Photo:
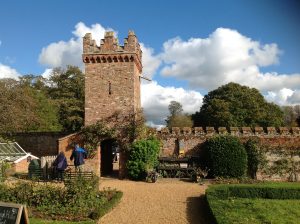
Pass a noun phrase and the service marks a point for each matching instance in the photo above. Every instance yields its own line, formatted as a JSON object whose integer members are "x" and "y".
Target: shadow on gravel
{"x": 187, "y": 180}
{"x": 198, "y": 211}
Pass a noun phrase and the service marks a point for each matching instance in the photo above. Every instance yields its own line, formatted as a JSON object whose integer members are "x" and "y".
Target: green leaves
{"x": 78, "y": 201}
{"x": 142, "y": 158}
{"x": 93, "y": 134}
{"x": 67, "y": 90}
{"x": 237, "y": 106}
{"x": 226, "y": 156}
{"x": 177, "y": 118}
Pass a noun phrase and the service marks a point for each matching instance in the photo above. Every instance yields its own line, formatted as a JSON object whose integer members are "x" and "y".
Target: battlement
{"x": 110, "y": 51}
{"x": 235, "y": 131}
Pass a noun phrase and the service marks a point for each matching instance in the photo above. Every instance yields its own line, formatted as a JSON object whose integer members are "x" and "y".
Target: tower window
{"x": 109, "y": 88}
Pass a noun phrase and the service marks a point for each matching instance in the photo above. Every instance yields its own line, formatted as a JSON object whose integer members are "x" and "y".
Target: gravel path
{"x": 166, "y": 201}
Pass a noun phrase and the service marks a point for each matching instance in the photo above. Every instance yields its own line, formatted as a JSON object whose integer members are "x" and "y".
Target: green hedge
{"x": 250, "y": 203}
{"x": 79, "y": 201}
{"x": 101, "y": 211}
{"x": 267, "y": 191}
{"x": 226, "y": 156}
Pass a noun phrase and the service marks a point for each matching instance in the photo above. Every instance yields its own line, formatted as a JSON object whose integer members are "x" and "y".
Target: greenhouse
{"x": 13, "y": 152}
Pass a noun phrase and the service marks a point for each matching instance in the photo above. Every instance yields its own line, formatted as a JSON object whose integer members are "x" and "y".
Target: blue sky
{"x": 254, "y": 43}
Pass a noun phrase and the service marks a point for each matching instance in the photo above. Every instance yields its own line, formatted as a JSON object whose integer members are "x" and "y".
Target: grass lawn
{"x": 244, "y": 210}
{"x": 41, "y": 221}
{"x": 252, "y": 203}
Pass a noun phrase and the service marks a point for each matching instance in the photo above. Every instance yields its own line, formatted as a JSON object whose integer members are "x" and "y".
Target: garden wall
{"x": 189, "y": 140}
{"x": 39, "y": 143}
{"x": 281, "y": 143}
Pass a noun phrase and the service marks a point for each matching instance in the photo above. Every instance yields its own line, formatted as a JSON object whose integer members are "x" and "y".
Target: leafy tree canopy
{"x": 291, "y": 115}
{"x": 67, "y": 89}
{"x": 236, "y": 105}
{"x": 177, "y": 118}
{"x": 34, "y": 103}
{"x": 175, "y": 108}
{"x": 24, "y": 108}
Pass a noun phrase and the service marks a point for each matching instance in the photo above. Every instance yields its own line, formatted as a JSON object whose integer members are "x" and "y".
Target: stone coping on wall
{"x": 235, "y": 131}
{"x": 67, "y": 136}
{"x": 35, "y": 133}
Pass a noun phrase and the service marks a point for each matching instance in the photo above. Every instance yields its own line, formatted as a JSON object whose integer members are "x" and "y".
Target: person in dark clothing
{"x": 78, "y": 154}
{"x": 60, "y": 164}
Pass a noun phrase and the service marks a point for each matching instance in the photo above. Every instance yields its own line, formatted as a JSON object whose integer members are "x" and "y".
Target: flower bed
{"x": 78, "y": 201}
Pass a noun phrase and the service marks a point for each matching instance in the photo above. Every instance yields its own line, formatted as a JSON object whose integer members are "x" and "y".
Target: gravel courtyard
{"x": 166, "y": 201}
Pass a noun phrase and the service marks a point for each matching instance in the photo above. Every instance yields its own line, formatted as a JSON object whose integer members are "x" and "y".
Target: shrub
{"x": 79, "y": 200}
{"x": 226, "y": 156}
{"x": 255, "y": 157}
{"x": 268, "y": 191}
{"x": 4, "y": 167}
{"x": 142, "y": 158}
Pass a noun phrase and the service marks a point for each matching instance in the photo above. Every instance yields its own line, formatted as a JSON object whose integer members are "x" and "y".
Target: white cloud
{"x": 8, "y": 72}
{"x": 284, "y": 97}
{"x": 62, "y": 53}
{"x": 280, "y": 97}
{"x": 47, "y": 73}
{"x": 295, "y": 98}
{"x": 156, "y": 99}
{"x": 225, "y": 56}
{"x": 150, "y": 62}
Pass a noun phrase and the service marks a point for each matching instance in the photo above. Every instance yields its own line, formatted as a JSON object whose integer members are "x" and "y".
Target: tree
{"x": 180, "y": 121}
{"x": 16, "y": 112}
{"x": 67, "y": 89}
{"x": 25, "y": 108}
{"x": 290, "y": 115}
{"x": 236, "y": 105}
{"x": 177, "y": 118}
{"x": 175, "y": 108}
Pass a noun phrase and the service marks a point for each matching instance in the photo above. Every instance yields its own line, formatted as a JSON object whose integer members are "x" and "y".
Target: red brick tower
{"x": 112, "y": 77}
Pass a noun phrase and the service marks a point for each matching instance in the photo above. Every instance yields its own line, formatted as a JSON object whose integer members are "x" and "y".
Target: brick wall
{"x": 39, "y": 143}
{"x": 21, "y": 167}
{"x": 66, "y": 145}
{"x": 193, "y": 138}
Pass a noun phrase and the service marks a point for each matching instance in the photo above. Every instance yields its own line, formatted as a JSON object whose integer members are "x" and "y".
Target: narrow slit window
{"x": 109, "y": 88}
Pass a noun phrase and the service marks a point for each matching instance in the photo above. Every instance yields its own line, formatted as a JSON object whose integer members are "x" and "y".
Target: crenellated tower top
{"x": 110, "y": 50}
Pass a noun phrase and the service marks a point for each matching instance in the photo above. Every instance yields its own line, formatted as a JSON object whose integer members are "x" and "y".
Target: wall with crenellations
{"x": 193, "y": 138}
{"x": 191, "y": 141}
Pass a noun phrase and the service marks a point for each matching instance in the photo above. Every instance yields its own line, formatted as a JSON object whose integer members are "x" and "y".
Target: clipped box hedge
{"x": 266, "y": 191}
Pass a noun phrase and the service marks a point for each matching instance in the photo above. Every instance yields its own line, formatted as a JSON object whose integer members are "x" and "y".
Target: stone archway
{"x": 109, "y": 164}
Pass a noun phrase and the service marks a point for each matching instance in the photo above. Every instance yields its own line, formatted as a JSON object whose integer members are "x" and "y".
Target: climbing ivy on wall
{"x": 124, "y": 130}
{"x": 256, "y": 157}
{"x": 285, "y": 162}
{"x": 93, "y": 134}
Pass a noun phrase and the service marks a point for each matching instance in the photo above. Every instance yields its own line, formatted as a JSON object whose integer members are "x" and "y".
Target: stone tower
{"x": 112, "y": 77}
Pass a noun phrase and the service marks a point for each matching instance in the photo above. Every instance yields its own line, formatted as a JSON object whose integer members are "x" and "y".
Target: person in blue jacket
{"x": 78, "y": 154}
{"x": 60, "y": 164}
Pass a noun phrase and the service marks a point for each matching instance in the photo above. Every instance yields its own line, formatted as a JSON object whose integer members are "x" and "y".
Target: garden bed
{"x": 78, "y": 201}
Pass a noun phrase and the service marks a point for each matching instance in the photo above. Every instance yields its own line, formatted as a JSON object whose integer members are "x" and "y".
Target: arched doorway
{"x": 109, "y": 158}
